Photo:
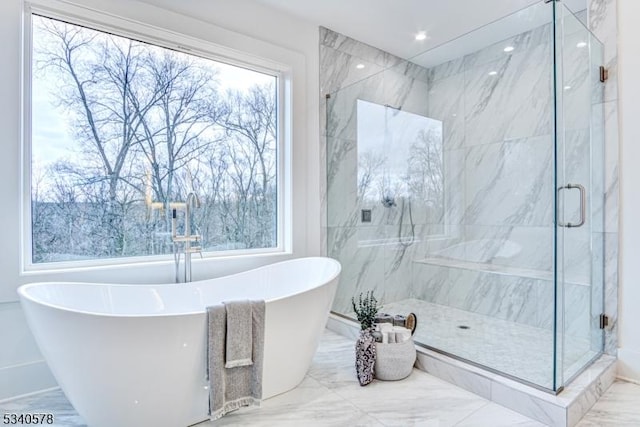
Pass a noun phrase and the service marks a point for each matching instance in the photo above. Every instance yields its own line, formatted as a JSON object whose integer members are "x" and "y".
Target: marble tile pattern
{"x": 591, "y": 393}
{"x": 619, "y": 406}
{"x": 497, "y": 114}
{"x": 563, "y": 410}
{"x": 499, "y": 344}
{"x": 53, "y": 401}
{"x": 507, "y": 168}
{"x": 331, "y": 396}
{"x": 381, "y": 79}
{"x": 611, "y": 292}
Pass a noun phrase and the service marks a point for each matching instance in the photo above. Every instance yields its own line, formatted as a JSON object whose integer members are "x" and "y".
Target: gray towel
{"x": 232, "y": 388}
{"x": 239, "y": 347}
{"x": 399, "y": 320}
{"x": 383, "y": 318}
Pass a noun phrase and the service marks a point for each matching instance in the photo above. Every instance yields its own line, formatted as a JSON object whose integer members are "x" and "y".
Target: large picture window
{"x": 121, "y": 132}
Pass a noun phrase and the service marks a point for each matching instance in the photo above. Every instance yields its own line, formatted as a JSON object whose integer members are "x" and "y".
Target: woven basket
{"x": 394, "y": 361}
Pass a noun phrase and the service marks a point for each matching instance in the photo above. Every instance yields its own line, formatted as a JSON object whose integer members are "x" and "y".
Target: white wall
{"x": 241, "y": 25}
{"x": 629, "y": 89}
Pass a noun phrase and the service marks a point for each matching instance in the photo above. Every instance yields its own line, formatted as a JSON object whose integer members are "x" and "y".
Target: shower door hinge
{"x": 604, "y": 74}
{"x": 604, "y": 321}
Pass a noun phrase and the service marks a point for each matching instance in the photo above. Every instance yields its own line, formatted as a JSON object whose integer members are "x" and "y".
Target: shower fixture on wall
{"x": 388, "y": 201}
{"x": 406, "y": 241}
{"x": 399, "y": 108}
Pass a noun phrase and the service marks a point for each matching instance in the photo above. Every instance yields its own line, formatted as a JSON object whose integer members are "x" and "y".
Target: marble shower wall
{"x": 379, "y": 253}
{"x": 498, "y": 153}
{"x": 497, "y": 111}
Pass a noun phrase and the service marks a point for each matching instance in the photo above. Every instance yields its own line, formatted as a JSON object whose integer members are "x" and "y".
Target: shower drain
{"x": 464, "y": 327}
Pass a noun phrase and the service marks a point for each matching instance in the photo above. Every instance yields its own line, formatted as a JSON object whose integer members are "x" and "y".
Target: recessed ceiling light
{"x": 422, "y": 35}
{"x": 581, "y": 44}
{"x": 360, "y": 66}
{"x": 567, "y": 87}
{"x": 493, "y": 73}
{"x": 509, "y": 49}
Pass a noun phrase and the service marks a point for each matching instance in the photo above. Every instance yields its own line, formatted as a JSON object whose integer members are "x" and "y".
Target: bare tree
{"x": 177, "y": 127}
{"x": 370, "y": 166}
{"x": 425, "y": 172}
{"x": 149, "y": 125}
{"x": 250, "y": 124}
{"x": 99, "y": 72}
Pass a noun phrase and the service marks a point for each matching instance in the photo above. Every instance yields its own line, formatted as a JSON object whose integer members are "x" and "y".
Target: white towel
{"x": 385, "y": 327}
{"x": 402, "y": 334}
{"x": 391, "y": 337}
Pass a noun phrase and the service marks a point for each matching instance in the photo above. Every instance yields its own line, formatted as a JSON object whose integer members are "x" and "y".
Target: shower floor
{"x": 519, "y": 350}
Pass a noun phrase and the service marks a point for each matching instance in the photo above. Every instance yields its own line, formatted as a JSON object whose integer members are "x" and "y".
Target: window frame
{"x": 165, "y": 38}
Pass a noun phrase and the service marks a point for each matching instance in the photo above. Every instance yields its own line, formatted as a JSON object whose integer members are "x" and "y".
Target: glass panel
{"x": 598, "y": 194}
{"x": 580, "y": 181}
{"x": 347, "y": 233}
{"x": 474, "y": 260}
{"x": 399, "y": 166}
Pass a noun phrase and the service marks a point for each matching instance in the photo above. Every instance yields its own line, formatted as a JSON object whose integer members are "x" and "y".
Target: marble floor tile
{"x": 496, "y": 343}
{"x": 331, "y": 396}
{"x": 310, "y": 404}
{"x": 619, "y": 406}
{"x": 54, "y": 402}
{"x": 494, "y": 415}
{"x": 419, "y": 399}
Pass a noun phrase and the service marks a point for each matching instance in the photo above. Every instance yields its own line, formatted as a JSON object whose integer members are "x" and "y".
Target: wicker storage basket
{"x": 394, "y": 361}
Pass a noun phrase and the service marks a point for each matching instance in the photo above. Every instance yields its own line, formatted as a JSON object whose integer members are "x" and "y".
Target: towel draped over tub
{"x": 236, "y": 339}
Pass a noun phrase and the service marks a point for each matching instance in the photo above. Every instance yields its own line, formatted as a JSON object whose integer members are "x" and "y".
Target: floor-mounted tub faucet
{"x": 187, "y": 238}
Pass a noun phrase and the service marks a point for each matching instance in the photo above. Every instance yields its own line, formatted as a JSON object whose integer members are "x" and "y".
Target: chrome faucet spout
{"x": 185, "y": 240}
{"x": 192, "y": 201}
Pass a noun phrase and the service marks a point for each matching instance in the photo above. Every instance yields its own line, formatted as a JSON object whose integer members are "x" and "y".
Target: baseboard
{"x": 629, "y": 365}
{"x": 25, "y": 379}
{"x": 343, "y": 326}
{"x": 627, "y": 379}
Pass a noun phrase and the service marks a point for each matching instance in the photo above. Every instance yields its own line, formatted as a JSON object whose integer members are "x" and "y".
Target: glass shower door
{"x": 579, "y": 188}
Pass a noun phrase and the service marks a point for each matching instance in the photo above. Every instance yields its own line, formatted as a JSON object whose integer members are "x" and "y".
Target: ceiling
{"x": 391, "y": 25}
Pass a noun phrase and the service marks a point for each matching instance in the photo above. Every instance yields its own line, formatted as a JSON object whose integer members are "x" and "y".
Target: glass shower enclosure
{"x": 466, "y": 186}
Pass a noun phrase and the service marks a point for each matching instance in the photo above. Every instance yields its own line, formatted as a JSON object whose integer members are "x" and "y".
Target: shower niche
{"x": 479, "y": 165}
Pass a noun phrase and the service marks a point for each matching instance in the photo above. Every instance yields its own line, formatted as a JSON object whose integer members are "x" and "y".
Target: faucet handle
{"x": 183, "y": 238}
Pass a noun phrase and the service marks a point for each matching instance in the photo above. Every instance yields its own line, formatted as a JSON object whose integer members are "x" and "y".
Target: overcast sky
{"x": 51, "y": 136}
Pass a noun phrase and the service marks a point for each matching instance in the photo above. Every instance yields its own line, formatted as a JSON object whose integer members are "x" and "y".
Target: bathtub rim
{"x": 23, "y": 293}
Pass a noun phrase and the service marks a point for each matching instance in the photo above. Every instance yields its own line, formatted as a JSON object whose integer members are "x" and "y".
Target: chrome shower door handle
{"x": 583, "y": 205}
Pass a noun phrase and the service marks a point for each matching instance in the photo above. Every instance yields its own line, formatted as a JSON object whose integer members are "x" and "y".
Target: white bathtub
{"x": 134, "y": 355}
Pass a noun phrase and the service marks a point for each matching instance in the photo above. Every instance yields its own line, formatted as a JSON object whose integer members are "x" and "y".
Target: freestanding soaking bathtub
{"x": 134, "y": 355}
